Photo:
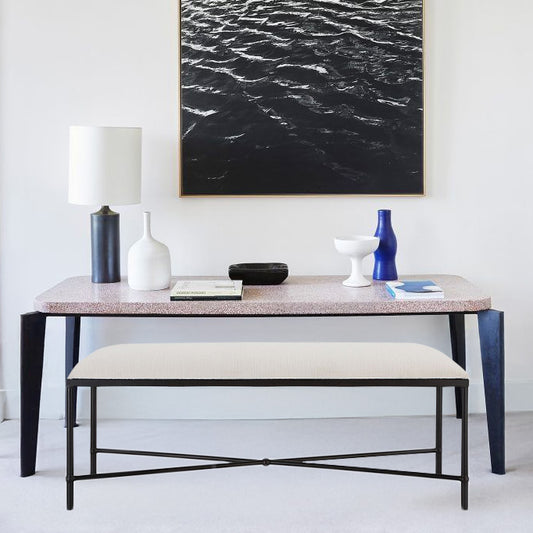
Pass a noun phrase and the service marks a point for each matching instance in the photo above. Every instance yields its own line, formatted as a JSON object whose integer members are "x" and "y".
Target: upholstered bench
{"x": 316, "y": 364}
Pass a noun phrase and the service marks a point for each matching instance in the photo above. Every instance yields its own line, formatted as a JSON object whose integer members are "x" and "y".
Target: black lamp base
{"x": 105, "y": 246}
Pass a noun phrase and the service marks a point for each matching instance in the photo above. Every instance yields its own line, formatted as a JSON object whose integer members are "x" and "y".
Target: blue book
{"x": 414, "y": 289}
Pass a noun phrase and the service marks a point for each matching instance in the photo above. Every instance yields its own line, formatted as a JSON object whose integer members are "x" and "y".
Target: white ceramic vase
{"x": 356, "y": 247}
{"x": 148, "y": 262}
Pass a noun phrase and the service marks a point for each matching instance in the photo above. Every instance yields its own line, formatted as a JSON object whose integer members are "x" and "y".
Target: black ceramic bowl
{"x": 259, "y": 273}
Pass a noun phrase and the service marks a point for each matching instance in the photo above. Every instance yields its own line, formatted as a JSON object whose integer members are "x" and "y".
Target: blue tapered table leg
{"x": 492, "y": 358}
{"x": 72, "y": 356}
{"x": 32, "y": 330}
{"x": 457, "y": 337}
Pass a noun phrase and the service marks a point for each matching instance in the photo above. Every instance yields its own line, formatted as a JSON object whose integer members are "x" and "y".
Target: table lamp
{"x": 105, "y": 169}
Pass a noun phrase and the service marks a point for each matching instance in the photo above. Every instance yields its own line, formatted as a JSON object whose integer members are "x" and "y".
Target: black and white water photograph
{"x": 301, "y": 97}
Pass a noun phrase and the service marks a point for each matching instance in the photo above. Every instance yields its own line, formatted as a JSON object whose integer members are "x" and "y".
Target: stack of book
{"x": 207, "y": 289}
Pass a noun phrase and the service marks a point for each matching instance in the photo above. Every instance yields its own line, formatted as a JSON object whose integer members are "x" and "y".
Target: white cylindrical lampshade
{"x": 105, "y": 165}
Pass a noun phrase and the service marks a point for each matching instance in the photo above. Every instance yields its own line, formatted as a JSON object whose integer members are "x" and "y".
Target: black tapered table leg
{"x": 457, "y": 337}
{"x": 32, "y": 330}
{"x": 72, "y": 355}
{"x": 491, "y": 338}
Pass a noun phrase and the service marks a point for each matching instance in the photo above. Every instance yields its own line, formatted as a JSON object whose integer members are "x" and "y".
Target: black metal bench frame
{"x": 228, "y": 462}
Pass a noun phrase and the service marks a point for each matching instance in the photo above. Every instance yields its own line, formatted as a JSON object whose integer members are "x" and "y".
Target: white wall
{"x": 114, "y": 62}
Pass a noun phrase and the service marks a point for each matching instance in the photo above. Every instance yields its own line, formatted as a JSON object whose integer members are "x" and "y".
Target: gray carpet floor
{"x": 273, "y": 499}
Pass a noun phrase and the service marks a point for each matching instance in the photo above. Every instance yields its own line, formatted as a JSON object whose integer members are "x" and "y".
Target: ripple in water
{"x": 301, "y": 97}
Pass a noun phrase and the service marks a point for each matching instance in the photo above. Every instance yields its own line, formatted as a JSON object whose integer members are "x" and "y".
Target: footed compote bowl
{"x": 356, "y": 247}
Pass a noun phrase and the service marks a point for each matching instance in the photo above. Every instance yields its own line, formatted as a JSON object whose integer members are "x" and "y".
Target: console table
{"x": 298, "y": 296}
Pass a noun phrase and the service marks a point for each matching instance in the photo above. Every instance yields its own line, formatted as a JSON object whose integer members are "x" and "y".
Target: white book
{"x": 207, "y": 289}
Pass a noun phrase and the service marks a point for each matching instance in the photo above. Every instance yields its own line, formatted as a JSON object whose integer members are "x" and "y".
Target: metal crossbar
{"x": 239, "y": 461}
{"x": 313, "y": 461}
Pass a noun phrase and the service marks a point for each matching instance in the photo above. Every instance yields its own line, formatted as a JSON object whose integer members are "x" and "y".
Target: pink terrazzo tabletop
{"x": 298, "y": 295}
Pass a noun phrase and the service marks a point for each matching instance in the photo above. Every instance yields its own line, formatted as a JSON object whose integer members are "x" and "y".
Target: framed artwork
{"x": 301, "y": 97}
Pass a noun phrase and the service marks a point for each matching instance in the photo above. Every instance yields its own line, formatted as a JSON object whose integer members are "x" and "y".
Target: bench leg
{"x": 93, "y": 430}
{"x": 71, "y": 395}
{"x": 464, "y": 448}
{"x": 438, "y": 432}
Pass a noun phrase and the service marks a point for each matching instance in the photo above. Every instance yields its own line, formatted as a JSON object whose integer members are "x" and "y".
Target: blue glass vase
{"x": 385, "y": 255}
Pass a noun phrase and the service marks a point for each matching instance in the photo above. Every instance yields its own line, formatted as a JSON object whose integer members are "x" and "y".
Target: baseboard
{"x": 2, "y": 405}
{"x": 262, "y": 403}
{"x": 519, "y": 395}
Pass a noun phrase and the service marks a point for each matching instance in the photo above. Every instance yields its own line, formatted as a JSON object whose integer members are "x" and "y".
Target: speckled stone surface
{"x": 298, "y": 295}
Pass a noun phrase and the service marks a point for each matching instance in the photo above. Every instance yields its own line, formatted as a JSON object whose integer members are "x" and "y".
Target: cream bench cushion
{"x": 267, "y": 360}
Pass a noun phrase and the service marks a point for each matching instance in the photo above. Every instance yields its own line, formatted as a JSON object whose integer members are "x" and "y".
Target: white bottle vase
{"x": 148, "y": 262}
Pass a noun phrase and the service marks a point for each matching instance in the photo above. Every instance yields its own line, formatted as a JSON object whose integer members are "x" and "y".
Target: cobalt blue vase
{"x": 385, "y": 255}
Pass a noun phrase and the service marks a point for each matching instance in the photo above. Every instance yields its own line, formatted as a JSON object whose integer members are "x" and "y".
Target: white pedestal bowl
{"x": 356, "y": 247}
